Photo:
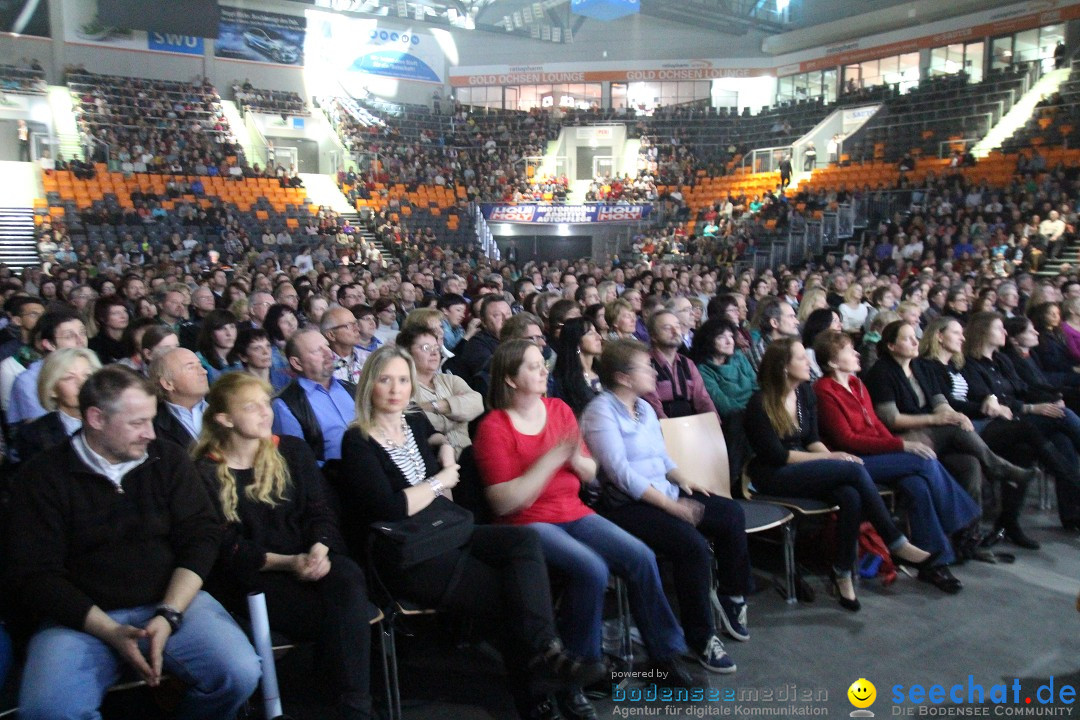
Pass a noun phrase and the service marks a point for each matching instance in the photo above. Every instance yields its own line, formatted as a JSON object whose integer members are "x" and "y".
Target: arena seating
{"x": 272, "y": 102}
{"x": 940, "y": 109}
{"x": 155, "y": 125}
{"x": 22, "y": 80}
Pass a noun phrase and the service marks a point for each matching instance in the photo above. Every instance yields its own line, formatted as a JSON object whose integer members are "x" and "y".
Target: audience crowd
{"x": 187, "y": 422}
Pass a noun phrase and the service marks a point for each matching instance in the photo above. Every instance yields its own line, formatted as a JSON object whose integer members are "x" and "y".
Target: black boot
{"x": 1012, "y": 502}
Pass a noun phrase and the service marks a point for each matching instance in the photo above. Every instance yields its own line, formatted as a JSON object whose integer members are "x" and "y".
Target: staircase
{"x": 18, "y": 247}
{"x": 323, "y": 190}
{"x": 1020, "y": 112}
{"x": 253, "y": 151}
{"x": 64, "y": 123}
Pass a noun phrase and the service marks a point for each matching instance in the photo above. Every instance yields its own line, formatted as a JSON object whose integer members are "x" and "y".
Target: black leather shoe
{"x": 1018, "y": 537}
{"x": 942, "y": 578}
{"x": 555, "y": 663}
{"x": 575, "y": 706}
{"x": 669, "y": 673}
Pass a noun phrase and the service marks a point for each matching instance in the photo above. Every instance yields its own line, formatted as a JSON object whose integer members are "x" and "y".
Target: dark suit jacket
{"x": 167, "y": 427}
{"x": 39, "y": 435}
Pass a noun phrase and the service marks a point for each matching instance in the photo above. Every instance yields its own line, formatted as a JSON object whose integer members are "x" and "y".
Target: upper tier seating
{"x": 155, "y": 126}
{"x": 22, "y": 80}
{"x": 271, "y": 102}
{"x": 1055, "y": 119}
{"x": 940, "y": 109}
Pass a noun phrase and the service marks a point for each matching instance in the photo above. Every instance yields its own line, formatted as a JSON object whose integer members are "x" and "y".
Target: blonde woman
{"x": 813, "y": 299}
{"x": 62, "y": 376}
{"x": 854, "y": 309}
{"x": 621, "y": 319}
{"x": 395, "y": 467}
{"x": 281, "y": 537}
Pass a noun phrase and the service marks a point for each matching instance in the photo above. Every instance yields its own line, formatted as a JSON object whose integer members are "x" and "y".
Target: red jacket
{"x": 847, "y": 422}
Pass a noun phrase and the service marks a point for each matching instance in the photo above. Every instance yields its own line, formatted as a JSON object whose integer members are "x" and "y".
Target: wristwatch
{"x": 172, "y": 616}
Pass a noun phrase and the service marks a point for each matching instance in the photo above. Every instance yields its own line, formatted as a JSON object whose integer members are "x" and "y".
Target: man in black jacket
{"x": 111, "y": 537}
{"x": 180, "y": 381}
{"x": 474, "y": 355}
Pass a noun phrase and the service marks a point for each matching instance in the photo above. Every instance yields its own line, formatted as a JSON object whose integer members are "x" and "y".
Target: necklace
{"x": 389, "y": 442}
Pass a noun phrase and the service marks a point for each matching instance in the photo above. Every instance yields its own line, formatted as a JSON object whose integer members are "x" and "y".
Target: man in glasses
{"x": 56, "y": 330}
{"x": 342, "y": 332}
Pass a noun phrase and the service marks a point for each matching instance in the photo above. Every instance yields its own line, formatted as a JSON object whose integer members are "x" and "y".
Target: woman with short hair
{"x": 447, "y": 400}
{"x": 646, "y": 495}
{"x": 63, "y": 373}
{"x": 939, "y": 511}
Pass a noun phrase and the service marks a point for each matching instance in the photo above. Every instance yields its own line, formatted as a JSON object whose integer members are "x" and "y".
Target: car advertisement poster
{"x": 360, "y": 47}
{"x": 258, "y": 36}
{"x": 86, "y": 28}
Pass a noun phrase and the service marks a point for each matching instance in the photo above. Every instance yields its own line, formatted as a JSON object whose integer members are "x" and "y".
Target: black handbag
{"x": 437, "y": 529}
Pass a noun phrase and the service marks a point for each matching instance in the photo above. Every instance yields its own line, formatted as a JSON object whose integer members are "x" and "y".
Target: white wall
{"x": 753, "y": 93}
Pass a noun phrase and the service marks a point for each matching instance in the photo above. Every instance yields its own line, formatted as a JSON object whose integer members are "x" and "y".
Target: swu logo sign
{"x": 170, "y": 42}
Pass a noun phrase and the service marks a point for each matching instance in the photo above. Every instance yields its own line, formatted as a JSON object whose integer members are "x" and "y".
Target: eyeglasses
{"x": 536, "y": 339}
{"x": 428, "y": 348}
{"x": 353, "y": 324}
{"x": 72, "y": 335}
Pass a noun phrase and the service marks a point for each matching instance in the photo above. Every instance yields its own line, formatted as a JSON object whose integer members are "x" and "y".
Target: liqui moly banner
{"x": 548, "y": 214}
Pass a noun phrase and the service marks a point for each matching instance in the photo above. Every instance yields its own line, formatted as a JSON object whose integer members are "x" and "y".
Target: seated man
{"x": 111, "y": 537}
{"x": 316, "y": 406}
{"x": 180, "y": 381}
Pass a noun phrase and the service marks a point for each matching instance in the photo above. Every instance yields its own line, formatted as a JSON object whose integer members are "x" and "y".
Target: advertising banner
{"x": 547, "y": 214}
{"x": 85, "y": 28}
{"x": 258, "y": 36}
{"x": 353, "y": 46}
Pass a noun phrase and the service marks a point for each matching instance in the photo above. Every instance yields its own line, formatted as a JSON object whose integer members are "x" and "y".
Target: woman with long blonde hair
{"x": 281, "y": 538}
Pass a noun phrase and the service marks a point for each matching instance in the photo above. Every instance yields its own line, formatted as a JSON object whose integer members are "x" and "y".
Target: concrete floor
{"x": 1010, "y": 623}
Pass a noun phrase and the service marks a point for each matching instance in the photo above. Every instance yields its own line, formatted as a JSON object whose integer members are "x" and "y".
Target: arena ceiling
{"x": 553, "y": 21}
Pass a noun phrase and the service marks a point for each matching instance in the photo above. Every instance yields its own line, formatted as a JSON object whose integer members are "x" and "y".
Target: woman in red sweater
{"x": 530, "y": 456}
{"x": 938, "y": 508}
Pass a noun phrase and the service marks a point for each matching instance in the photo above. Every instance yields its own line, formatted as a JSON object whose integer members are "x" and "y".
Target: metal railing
{"x": 946, "y": 147}
{"x": 767, "y": 159}
{"x": 259, "y": 148}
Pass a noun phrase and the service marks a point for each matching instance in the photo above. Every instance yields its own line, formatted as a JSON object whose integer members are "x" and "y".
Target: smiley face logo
{"x": 862, "y": 693}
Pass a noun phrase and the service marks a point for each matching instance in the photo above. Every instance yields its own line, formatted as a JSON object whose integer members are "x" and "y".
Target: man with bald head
{"x": 180, "y": 381}
{"x": 259, "y": 303}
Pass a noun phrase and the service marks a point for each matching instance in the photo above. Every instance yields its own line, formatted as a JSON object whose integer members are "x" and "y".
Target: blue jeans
{"x": 68, "y": 671}
{"x": 5, "y": 654}
{"x": 584, "y": 550}
{"x": 937, "y": 505}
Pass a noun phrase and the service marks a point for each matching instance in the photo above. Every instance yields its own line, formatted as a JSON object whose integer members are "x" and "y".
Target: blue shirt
{"x": 334, "y": 408}
{"x": 24, "y": 405}
{"x": 631, "y": 452}
{"x": 451, "y": 335}
{"x": 190, "y": 419}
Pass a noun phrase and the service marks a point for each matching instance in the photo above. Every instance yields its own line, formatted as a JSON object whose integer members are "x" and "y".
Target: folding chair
{"x": 696, "y": 444}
